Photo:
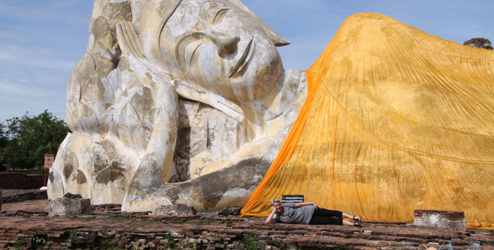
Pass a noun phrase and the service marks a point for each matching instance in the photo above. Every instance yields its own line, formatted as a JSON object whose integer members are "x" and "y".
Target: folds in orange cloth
{"x": 395, "y": 120}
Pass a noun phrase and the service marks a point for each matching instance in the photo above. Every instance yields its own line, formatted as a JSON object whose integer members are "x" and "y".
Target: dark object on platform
{"x": 0, "y": 199}
{"x": 292, "y": 199}
{"x": 175, "y": 210}
{"x": 107, "y": 207}
{"x": 481, "y": 43}
{"x": 73, "y": 196}
{"x": 230, "y": 211}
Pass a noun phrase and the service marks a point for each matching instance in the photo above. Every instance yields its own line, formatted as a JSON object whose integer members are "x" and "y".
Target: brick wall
{"x": 17, "y": 180}
{"x": 196, "y": 232}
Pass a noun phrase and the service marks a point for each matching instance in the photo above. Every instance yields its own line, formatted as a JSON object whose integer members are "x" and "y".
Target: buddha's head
{"x": 219, "y": 45}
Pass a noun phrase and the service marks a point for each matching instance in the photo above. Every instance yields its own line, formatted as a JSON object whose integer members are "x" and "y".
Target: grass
{"x": 250, "y": 241}
{"x": 205, "y": 222}
{"x": 170, "y": 241}
{"x": 19, "y": 244}
{"x": 39, "y": 239}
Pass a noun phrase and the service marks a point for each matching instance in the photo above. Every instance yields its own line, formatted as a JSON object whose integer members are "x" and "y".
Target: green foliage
{"x": 20, "y": 244}
{"x": 276, "y": 243}
{"x": 205, "y": 222}
{"x": 250, "y": 241}
{"x": 170, "y": 241}
{"x": 3, "y": 143}
{"x": 25, "y": 141}
{"x": 116, "y": 218}
{"x": 39, "y": 239}
{"x": 73, "y": 236}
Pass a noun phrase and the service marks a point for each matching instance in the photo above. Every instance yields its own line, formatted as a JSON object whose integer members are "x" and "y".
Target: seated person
{"x": 309, "y": 213}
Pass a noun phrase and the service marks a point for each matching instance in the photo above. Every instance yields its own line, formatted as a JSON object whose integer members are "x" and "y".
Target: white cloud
{"x": 48, "y": 10}
{"x": 17, "y": 97}
{"x": 40, "y": 43}
{"x": 32, "y": 57}
{"x": 19, "y": 92}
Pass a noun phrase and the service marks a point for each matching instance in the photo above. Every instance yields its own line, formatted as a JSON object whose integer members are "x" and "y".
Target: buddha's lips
{"x": 243, "y": 62}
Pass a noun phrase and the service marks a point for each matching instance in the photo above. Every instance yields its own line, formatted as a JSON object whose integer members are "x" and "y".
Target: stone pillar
{"x": 438, "y": 218}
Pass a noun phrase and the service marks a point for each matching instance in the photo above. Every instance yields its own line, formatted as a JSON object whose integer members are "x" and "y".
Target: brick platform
{"x": 25, "y": 225}
{"x": 218, "y": 232}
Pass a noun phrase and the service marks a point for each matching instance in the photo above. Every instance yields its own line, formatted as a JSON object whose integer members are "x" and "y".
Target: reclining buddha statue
{"x": 175, "y": 102}
{"x": 187, "y": 102}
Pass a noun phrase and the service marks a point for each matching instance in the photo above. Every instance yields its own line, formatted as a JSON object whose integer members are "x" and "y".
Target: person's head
{"x": 218, "y": 44}
{"x": 276, "y": 204}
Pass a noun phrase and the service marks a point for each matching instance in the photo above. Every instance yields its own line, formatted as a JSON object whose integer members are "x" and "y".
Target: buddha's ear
{"x": 199, "y": 94}
{"x": 277, "y": 39}
{"x": 129, "y": 42}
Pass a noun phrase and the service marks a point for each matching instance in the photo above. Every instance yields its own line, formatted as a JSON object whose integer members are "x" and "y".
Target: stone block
{"x": 175, "y": 210}
{"x": 69, "y": 205}
{"x": 442, "y": 219}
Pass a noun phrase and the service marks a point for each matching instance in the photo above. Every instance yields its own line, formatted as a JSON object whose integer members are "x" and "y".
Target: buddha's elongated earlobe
{"x": 131, "y": 48}
{"x": 149, "y": 17}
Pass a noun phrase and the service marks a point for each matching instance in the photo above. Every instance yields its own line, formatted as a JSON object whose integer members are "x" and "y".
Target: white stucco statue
{"x": 175, "y": 101}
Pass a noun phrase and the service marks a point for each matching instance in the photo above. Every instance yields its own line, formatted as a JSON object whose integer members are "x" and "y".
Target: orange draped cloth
{"x": 395, "y": 120}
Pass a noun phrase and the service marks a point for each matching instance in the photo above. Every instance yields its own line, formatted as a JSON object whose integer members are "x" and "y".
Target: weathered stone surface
{"x": 70, "y": 204}
{"x": 443, "y": 219}
{"x": 195, "y": 107}
{"x": 173, "y": 210}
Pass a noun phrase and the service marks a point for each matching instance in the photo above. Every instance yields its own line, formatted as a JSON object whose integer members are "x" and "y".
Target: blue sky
{"x": 40, "y": 41}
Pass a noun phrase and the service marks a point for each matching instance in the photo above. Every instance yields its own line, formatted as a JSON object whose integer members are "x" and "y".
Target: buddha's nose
{"x": 225, "y": 43}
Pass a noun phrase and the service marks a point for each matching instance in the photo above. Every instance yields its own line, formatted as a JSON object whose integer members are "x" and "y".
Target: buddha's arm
{"x": 155, "y": 164}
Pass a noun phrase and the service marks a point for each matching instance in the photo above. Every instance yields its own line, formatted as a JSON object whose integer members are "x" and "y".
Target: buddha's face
{"x": 219, "y": 46}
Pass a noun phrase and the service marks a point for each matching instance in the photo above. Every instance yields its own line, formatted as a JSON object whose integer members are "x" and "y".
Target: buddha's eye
{"x": 213, "y": 12}
{"x": 219, "y": 15}
{"x": 192, "y": 51}
{"x": 188, "y": 48}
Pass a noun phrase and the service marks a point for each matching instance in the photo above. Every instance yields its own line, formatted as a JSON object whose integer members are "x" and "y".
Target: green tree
{"x": 29, "y": 138}
{"x": 3, "y": 143}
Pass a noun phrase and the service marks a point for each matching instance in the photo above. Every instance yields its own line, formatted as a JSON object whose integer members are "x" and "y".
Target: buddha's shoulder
{"x": 369, "y": 21}
{"x": 369, "y": 17}
{"x": 367, "y": 27}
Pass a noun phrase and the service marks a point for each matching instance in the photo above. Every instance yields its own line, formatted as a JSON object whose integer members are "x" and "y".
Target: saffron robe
{"x": 395, "y": 120}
